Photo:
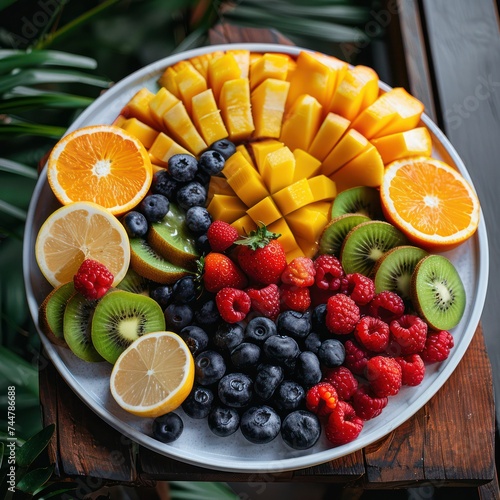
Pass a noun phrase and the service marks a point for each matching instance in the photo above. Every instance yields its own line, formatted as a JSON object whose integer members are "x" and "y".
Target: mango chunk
{"x": 180, "y": 126}
{"x": 265, "y": 211}
{"x": 207, "y": 117}
{"x": 268, "y": 106}
{"x": 244, "y": 225}
{"x": 234, "y": 163}
{"x": 141, "y": 131}
{"x": 301, "y": 122}
{"x": 218, "y": 185}
{"x": 293, "y": 253}
{"x": 189, "y": 83}
{"x": 293, "y": 197}
{"x": 242, "y": 57}
{"x": 244, "y": 151}
{"x": 162, "y": 102}
{"x": 306, "y": 165}
{"x": 367, "y": 169}
{"x": 329, "y": 133}
{"x": 308, "y": 247}
{"x": 307, "y": 222}
{"x": 138, "y": 107}
{"x": 220, "y": 71}
{"x": 261, "y": 149}
{"x": 119, "y": 120}
{"x": 202, "y": 61}
{"x": 227, "y": 208}
{"x": 278, "y": 169}
{"x": 322, "y": 188}
{"x": 268, "y": 66}
{"x": 167, "y": 80}
{"x": 414, "y": 142}
{"x": 235, "y": 106}
{"x": 163, "y": 148}
{"x": 287, "y": 239}
{"x": 351, "y": 145}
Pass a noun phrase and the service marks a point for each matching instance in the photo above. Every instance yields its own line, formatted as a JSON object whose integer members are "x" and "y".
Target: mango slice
{"x": 351, "y": 145}
{"x": 264, "y": 212}
{"x": 330, "y": 131}
{"x": 242, "y": 58}
{"x": 268, "y": 66}
{"x": 278, "y": 169}
{"x": 189, "y": 83}
{"x": 322, "y": 188}
{"x": 141, "y": 131}
{"x": 207, "y": 117}
{"x": 414, "y": 142}
{"x": 244, "y": 151}
{"x": 306, "y": 165}
{"x": 308, "y": 222}
{"x": 244, "y": 225}
{"x": 227, "y": 208}
{"x": 167, "y": 80}
{"x": 287, "y": 239}
{"x": 261, "y": 149}
{"x": 138, "y": 107}
{"x": 293, "y": 197}
{"x": 162, "y": 102}
{"x": 163, "y": 148}
{"x": 220, "y": 71}
{"x": 218, "y": 185}
{"x": 202, "y": 61}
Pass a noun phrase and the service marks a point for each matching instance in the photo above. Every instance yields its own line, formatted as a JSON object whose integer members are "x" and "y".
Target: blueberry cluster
{"x": 255, "y": 376}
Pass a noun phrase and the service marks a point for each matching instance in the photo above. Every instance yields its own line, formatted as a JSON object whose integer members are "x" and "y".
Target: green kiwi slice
{"x": 76, "y": 327}
{"x": 362, "y": 200}
{"x": 171, "y": 238}
{"x": 394, "y": 269}
{"x": 134, "y": 282}
{"x": 366, "y": 243}
{"x": 336, "y": 230}
{"x": 51, "y": 312}
{"x": 437, "y": 292}
{"x": 122, "y": 317}
{"x": 151, "y": 265}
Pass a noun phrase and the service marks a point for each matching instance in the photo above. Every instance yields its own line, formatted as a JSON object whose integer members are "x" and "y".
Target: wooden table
{"x": 449, "y": 442}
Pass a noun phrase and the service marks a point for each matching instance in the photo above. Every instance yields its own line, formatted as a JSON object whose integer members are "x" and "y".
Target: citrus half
{"x": 102, "y": 164}
{"x": 154, "y": 375}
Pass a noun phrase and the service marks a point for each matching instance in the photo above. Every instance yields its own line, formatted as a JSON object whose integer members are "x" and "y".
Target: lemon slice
{"x": 79, "y": 231}
{"x": 154, "y": 375}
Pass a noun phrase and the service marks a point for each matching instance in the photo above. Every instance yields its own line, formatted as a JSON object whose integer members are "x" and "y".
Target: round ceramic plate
{"x": 197, "y": 445}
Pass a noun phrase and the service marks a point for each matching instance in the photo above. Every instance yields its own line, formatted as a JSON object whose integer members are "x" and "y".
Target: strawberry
{"x": 219, "y": 271}
{"x": 221, "y": 235}
{"x": 261, "y": 256}
{"x": 266, "y": 301}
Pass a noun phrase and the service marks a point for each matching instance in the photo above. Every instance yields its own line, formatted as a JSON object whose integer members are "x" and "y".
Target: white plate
{"x": 197, "y": 445}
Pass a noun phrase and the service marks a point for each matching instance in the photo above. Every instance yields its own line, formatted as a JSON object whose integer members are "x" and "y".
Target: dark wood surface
{"x": 450, "y": 441}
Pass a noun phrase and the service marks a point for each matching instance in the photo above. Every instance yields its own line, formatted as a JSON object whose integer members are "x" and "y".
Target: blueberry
{"x": 162, "y": 294}
{"x": 199, "y": 402}
{"x": 331, "y": 353}
{"x": 177, "y": 316}
{"x": 163, "y": 183}
{"x": 245, "y": 356}
{"x": 207, "y": 314}
{"x": 198, "y": 220}
{"x": 154, "y": 207}
{"x": 301, "y": 429}
{"x": 259, "y": 329}
{"x": 209, "y": 367}
{"x": 281, "y": 350}
{"x": 268, "y": 378}
{"x": 223, "y": 421}
{"x": 182, "y": 167}
{"x": 228, "y": 336}
{"x": 212, "y": 162}
{"x": 308, "y": 369}
{"x": 312, "y": 342}
{"x": 319, "y": 319}
{"x": 260, "y": 424}
{"x": 195, "y": 337}
{"x": 225, "y": 147}
{"x": 202, "y": 177}
{"x": 294, "y": 324}
{"x": 135, "y": 224}
{"x": 184, "y": 290}
{"x": 191, "y": 195}
{"x": 289, "y": 396}
{"x": 203, "y": 245}
{"x": 235, "y": 390}
{"x": 168, "y": 427}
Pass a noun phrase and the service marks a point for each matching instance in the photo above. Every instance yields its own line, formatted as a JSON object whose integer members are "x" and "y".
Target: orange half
{"x": 102, "y": 164}
{"x": 430, "y": 202}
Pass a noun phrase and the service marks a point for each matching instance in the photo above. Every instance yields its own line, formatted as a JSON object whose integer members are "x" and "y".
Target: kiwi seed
{"x": 362, "y": 200}
{"x": 332, "y": 237}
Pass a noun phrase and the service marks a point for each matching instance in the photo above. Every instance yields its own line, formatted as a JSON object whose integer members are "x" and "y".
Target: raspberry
{"x": 221, "y": 235}
{"x": 299, "y": 272}
{"x": 360, "y": 288}
{"x": 343, "y": 424}
{"x": 342, "y": 314}
{"x": 356, "y": 357}
{"x": 410, "y": 333}
{"x": 329, "y": 273}
{"x": 384, "y": 376}
{"x": 372, "y": 333}
{"x": 413, "y": 369}
{"x": 233, "y": 304}
{"x": 437, "y": 346}
{"x": 266, "y": 300}
{"x": 387, "y": 306}
{"x": 366, "y": 405}
{"x": 343, "y": 380}
{"x": 295, "y": 298}
{"x": 92, "y": 279}
{"x": 321, "y": 399}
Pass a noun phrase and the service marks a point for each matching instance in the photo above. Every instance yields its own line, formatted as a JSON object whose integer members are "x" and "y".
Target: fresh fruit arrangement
{"x": 258, "y": 243}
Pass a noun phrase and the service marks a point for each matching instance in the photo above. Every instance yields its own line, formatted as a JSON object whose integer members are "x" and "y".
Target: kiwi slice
{"x": 437, "y": 292}
{"x": 336, "y": 230}
{"x": 122, "y": 317}
{"x": 366, "y": 243}
{"x": 172, "y": 239}
{"x": 362, "y": 200}
{"x": 394, "y": 269}
{"x": 134, "y": 282}
{"x": 151, "y": 265}
{"x": 51, "y": 312}
{"x": 76, "y": 327}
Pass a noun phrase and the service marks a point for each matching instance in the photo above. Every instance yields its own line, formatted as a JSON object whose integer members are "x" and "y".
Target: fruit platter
{"x": 255, "y": 257}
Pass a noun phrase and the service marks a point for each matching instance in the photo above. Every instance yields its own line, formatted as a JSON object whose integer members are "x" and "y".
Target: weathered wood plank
{"x": 228, "y": 33}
